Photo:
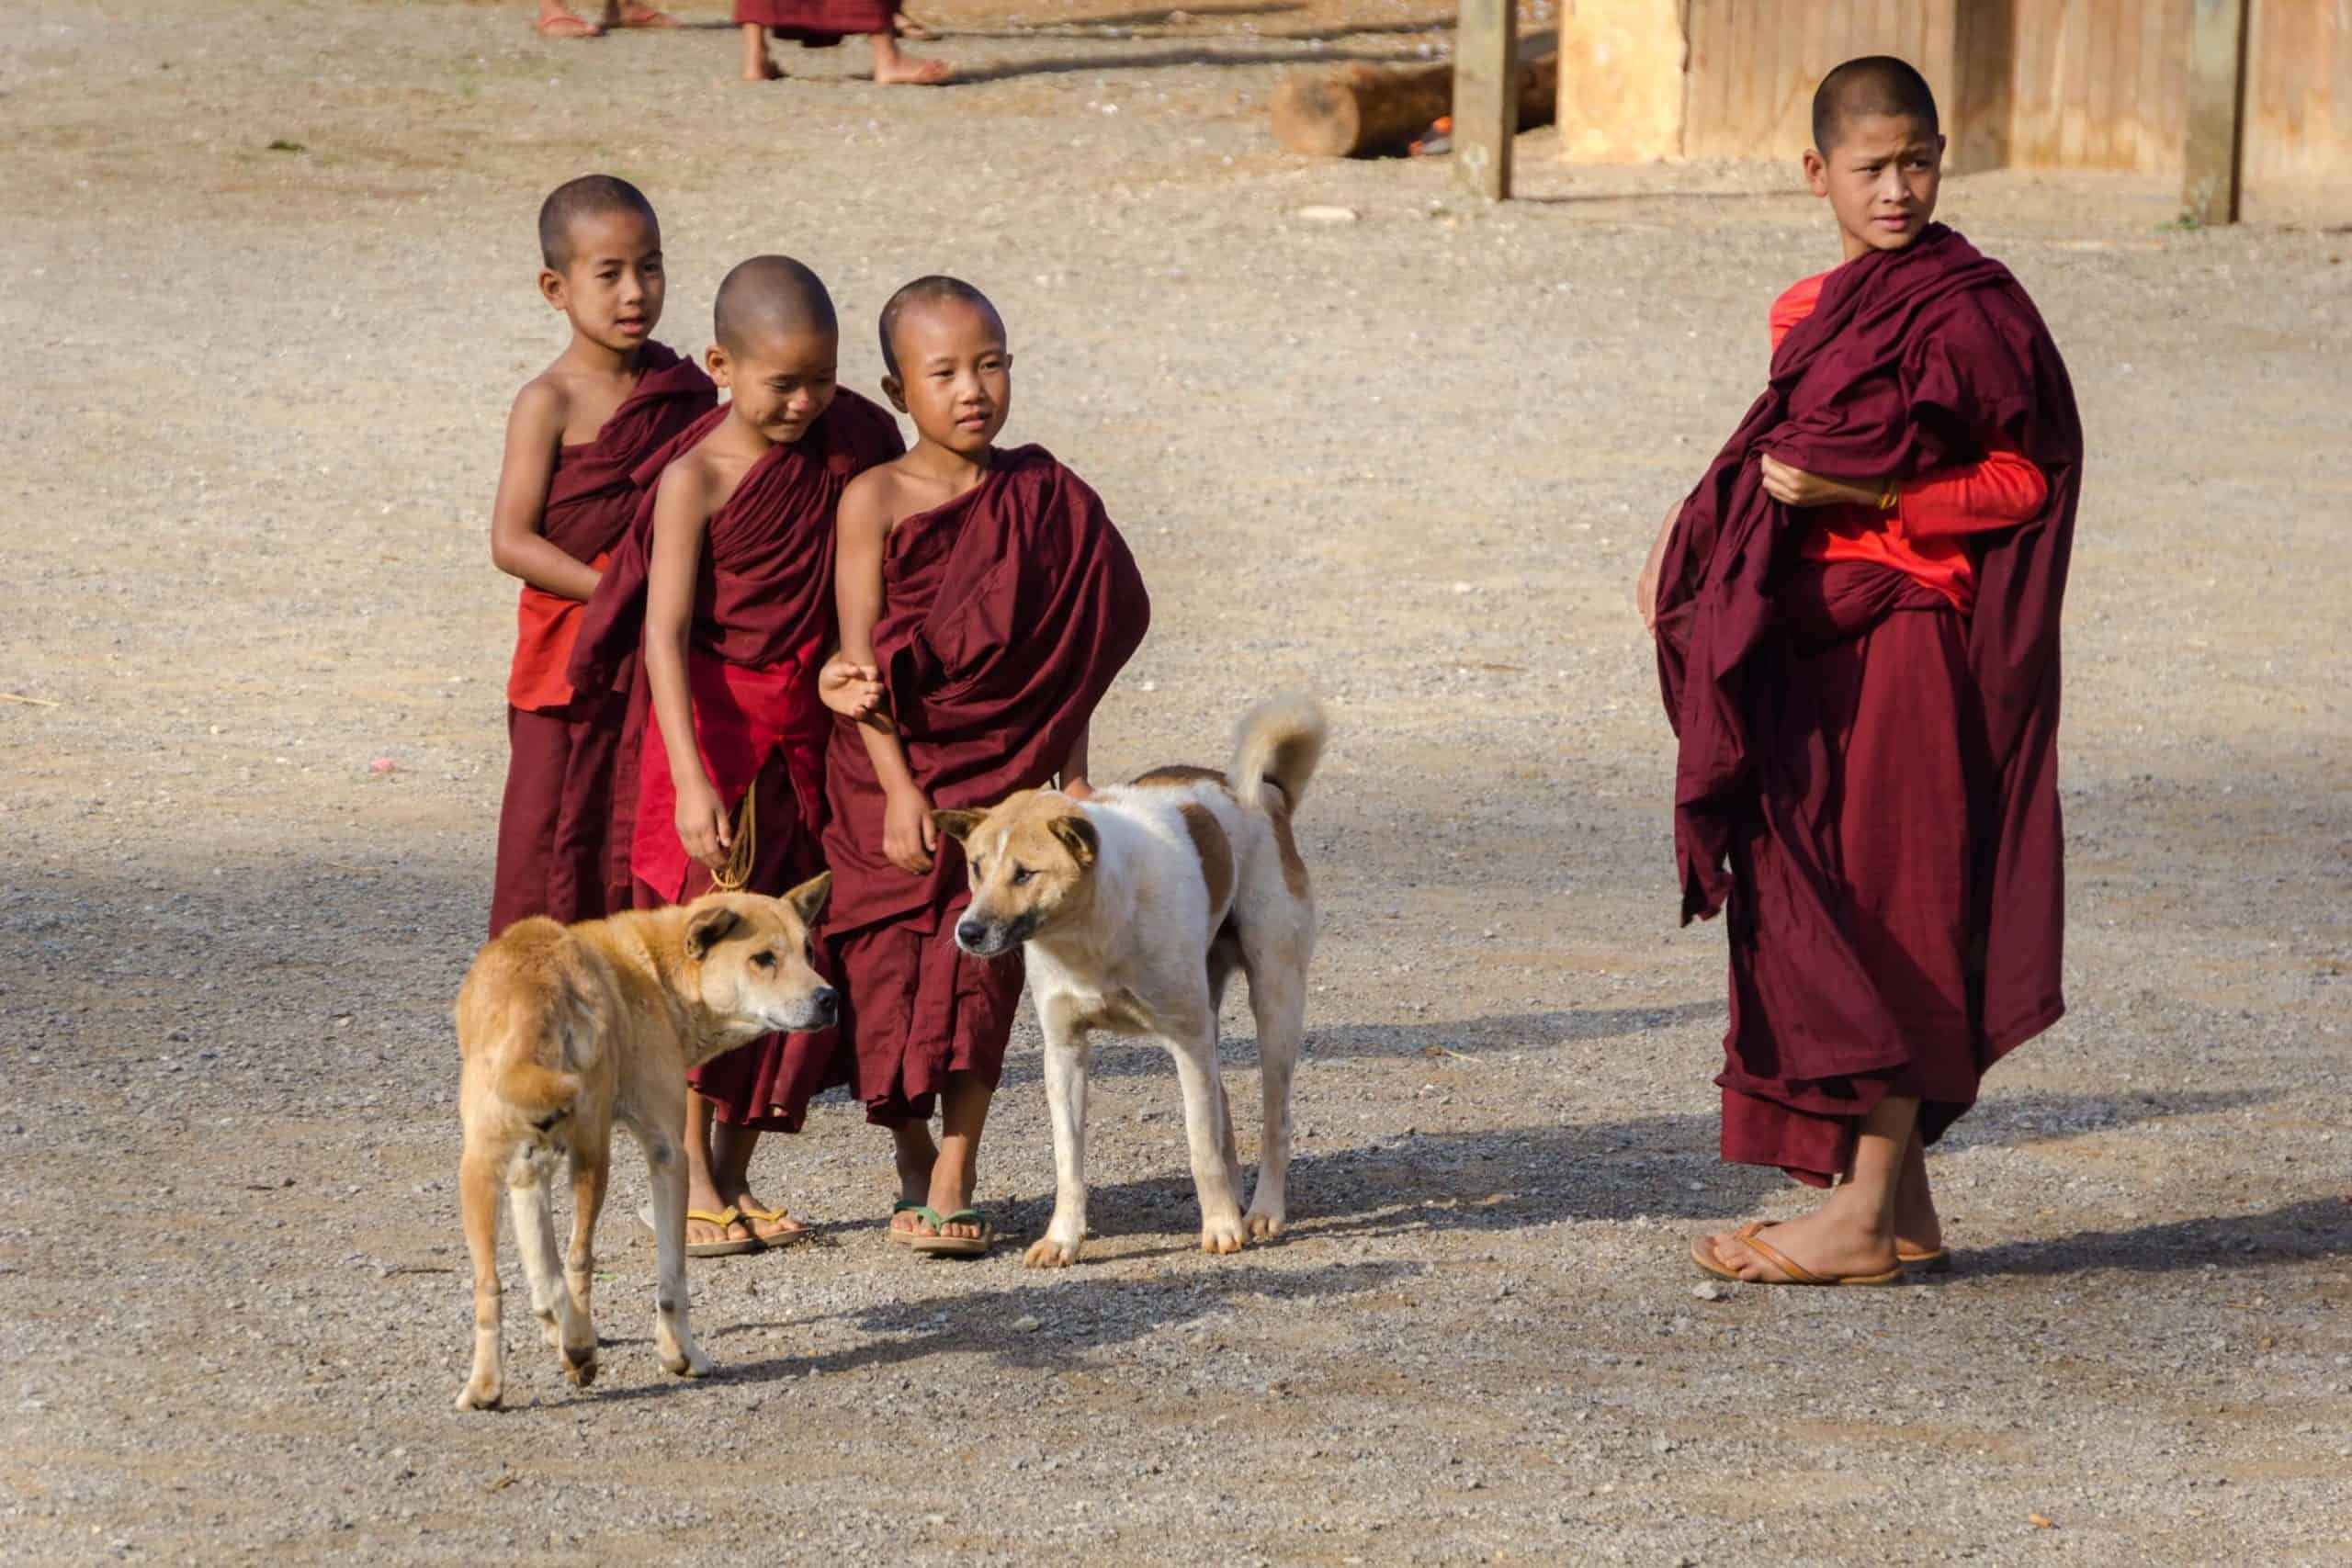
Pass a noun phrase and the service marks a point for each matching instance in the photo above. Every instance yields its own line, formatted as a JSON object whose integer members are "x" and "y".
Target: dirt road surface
{"x": 269, "y": 292}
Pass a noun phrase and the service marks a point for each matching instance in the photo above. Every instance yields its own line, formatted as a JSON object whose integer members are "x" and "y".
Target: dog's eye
{"x": 764, "y": 961}
{"x": 1021, "y": 874}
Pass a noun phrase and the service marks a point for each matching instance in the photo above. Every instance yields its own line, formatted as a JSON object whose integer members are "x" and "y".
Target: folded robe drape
{"x": 1913, "y": 360}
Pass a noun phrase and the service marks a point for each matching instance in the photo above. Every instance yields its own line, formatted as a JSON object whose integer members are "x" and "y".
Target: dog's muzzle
{"x": 986, "y": 939}
{"x": 820, "y": 1011}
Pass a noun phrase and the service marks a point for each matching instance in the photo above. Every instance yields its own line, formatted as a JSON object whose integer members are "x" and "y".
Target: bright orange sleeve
{"x": 2003, "y": 490}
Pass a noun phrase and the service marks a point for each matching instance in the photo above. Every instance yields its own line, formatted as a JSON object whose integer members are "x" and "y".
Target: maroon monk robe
{"x": 553, "y": 826}
{"x": 1005, "y": 616}
{"x": 762, "y": 621}
{"x": 1868, "y": 780}
{"x": 817, "y": 24}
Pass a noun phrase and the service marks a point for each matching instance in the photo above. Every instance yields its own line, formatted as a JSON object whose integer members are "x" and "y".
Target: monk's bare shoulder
{"x": 686, "y": 493}
{"x": 540, "y": 409}
{"x": 872, "y": 502}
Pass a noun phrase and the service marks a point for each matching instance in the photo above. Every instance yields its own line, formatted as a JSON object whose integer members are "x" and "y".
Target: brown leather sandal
{"x": 1702, "y": 1255}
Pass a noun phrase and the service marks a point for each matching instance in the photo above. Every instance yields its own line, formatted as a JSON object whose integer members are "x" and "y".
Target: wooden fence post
{"x": 2210, "y": 163}
{"x": 1486, "y": 95}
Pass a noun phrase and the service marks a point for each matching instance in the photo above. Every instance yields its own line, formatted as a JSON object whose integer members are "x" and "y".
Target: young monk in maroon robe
{"x": 1857, "y": 618}
{"x": 565, "y": 498}
{"x": 820, "y": 24}
{"x": 731, "y": 575}
{"x": 986, "y": 604}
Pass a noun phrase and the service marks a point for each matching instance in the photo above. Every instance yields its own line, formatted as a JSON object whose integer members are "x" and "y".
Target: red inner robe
{"x": 763, "y": 622}
{"x": 553, "y": 823}
{"x": 1006, "y": 613}
{"x": 1865, "y": 774}
{"x": 817, "y": 24}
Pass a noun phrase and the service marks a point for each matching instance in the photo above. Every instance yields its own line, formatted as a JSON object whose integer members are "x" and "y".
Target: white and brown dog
{"x": 566, "y": 1030}
{"x": 1136, "y": 906}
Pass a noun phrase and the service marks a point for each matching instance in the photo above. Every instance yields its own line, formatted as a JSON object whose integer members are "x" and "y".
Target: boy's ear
{"x": 714, "y": 359}
{"x": 1079, "y": 836}
{"x": 959, "y": 825}
{"x": 1816, "y": 172}
{"x": 706, "y": 929}
{"x": 896, "y": 391}
{"x": 551, "y": 287}
{"x": 808, "y": 900}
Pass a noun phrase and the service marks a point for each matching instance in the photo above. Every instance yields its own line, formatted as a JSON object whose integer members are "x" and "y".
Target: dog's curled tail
{"x": 546, "y": 1054}
{"x": 1278, "y": 744}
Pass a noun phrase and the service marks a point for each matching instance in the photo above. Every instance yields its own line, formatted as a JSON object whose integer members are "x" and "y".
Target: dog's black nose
{"x": 971, "y": 933}
{"x": 828, "y": 1003}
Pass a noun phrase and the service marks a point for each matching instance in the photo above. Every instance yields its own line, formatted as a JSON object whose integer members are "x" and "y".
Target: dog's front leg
{"x": 1066, "y": 1054}
{"x": 1207, "y": 1136}
{"x": 478, "y": 1178}
{"x": 665, "y": 1169}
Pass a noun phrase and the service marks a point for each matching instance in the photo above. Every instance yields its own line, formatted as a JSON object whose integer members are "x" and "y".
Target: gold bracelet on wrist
{"x": 1886, "y": 498}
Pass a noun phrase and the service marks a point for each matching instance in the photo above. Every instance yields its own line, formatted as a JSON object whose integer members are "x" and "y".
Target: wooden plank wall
{"x": 1754, "y": 64}
{"x": 2030, "y": 83}
{"x": 2298, "y": 97}
{"x": 2099, "y": 84}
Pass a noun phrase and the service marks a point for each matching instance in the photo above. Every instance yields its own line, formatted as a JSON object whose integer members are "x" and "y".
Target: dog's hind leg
{"x": 1066, "y": 1054}
{"x": 665, "y": 1170}
{"x": 478, "y": 1177}
{"x": 1278, "y": 999}
{"x": 532, "y": 1205}
{"x": 1209, "y": 1138}
{"x": 591, "y": 1166}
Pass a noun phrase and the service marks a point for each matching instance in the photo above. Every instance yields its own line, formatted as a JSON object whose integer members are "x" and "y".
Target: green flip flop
{"x": 903, "y": 1237}
{"x": 953, "y": 1246}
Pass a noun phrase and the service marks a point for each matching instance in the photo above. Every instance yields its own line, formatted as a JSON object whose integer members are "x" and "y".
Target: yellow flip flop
{"x": 733, "y": 1247}
{"x": 774, "y": 1240}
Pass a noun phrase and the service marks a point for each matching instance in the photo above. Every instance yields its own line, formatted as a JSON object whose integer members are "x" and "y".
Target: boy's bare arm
{"x": 861, "y": 527}
{"x": 534, "y": 429}
{"x": 1073, "y": 771}
{"x": 681, "y": 516}
{"x": 1646, "y": 585}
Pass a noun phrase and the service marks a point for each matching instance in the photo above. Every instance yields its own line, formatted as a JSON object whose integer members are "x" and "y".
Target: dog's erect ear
{"x": 959, "y": 825}
{"x": 706, "y": 929}
{"x": 1079, "y": 836}
{"x": 808, "y": 900}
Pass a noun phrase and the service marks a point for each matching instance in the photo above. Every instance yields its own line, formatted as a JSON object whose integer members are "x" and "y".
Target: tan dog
{"x": 567, "y": 1030}
{"x": 1136, "y": 906}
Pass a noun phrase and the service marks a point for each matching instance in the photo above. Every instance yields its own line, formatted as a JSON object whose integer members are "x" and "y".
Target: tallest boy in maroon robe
{"x": 1857, "y": 619}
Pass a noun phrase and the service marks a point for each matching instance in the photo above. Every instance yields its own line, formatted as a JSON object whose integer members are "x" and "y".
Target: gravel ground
{"x": 1409, "y": 461}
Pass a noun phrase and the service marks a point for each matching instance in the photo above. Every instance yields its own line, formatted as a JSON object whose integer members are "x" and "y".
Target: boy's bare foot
{"x": 1918, "y": 1227}
{"x": 780, "y": 1231}
{"x": 556, "y": 22}
{"x": 911, "y": 70}
{"x": 767, "y": 70}
{"x": 638, "y": 16}
{"x": 1830, "y": 1243}
{"x": 941, "y": 1180}
{"x": 894, "y": 68}
{"x": 701, "y": 1195}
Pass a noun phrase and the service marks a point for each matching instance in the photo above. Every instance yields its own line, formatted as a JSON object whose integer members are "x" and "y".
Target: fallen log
{"x": 1361, "y": 111}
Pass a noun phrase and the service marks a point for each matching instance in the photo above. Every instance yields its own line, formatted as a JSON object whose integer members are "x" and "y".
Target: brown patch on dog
{"x": 1179, "y": 773}
{"x": 1216, "y": 850}
{"x": 1294, "y": 868}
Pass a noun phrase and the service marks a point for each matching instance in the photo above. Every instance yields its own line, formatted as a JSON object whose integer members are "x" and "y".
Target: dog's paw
{"x": 579, "y": 1365}
{"x": 1047, "y": 1252}
{"x": 693, "y": 1364}
{"x": 1222, "y": 1235}
{"x": 1263, "y": 1224}
{"x": 480, "y": 1394}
